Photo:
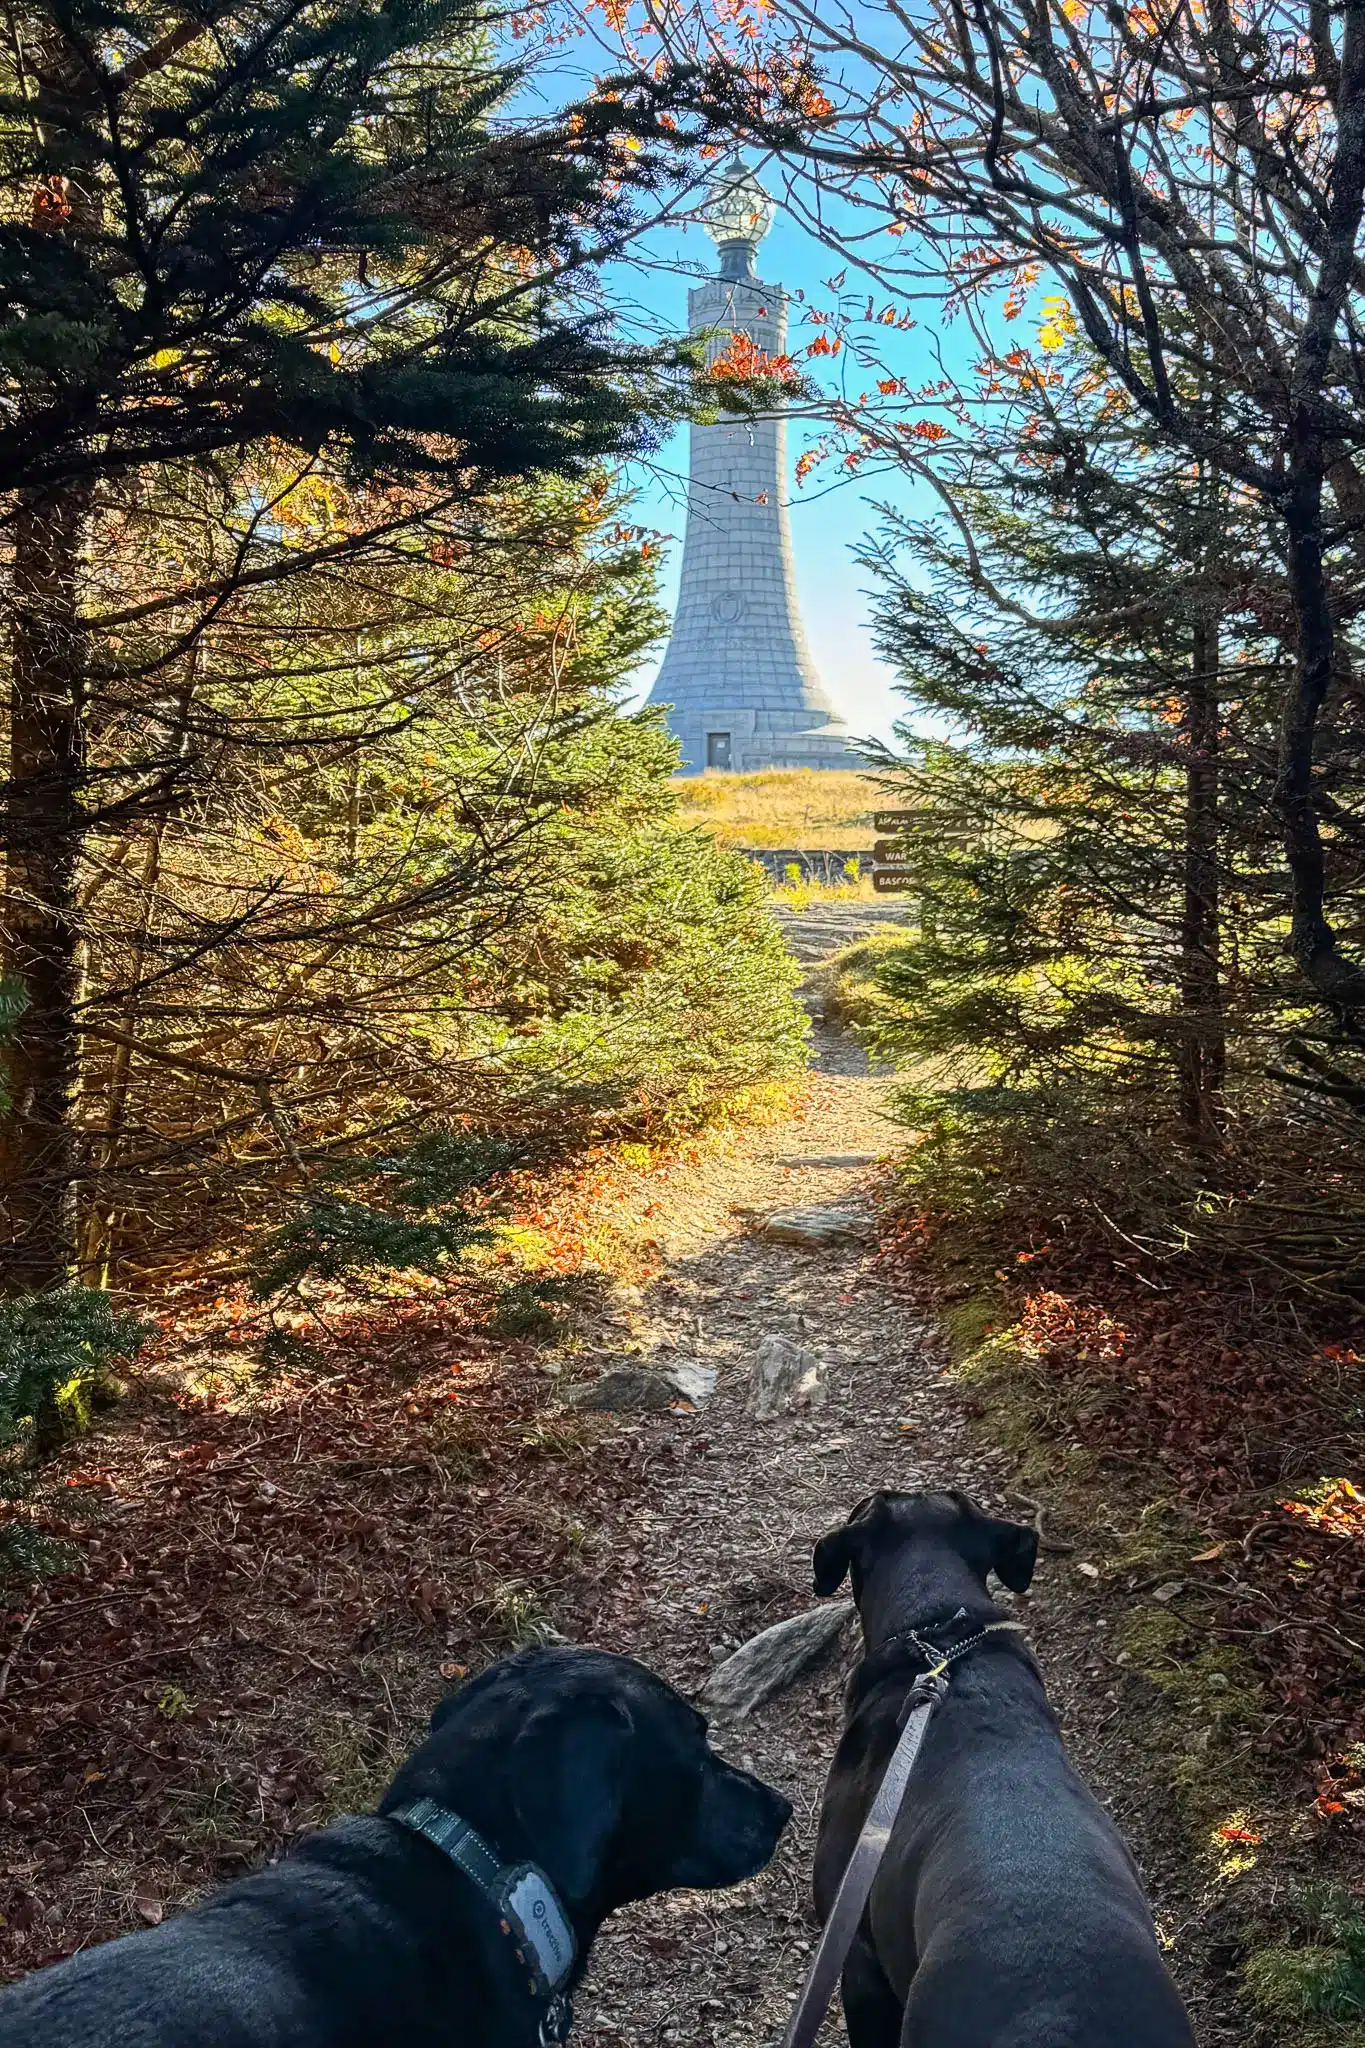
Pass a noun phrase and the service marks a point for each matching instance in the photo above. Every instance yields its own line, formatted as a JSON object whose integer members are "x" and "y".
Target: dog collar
{"x": 529, "y": 1912}
{"x": 916, "y": 1644}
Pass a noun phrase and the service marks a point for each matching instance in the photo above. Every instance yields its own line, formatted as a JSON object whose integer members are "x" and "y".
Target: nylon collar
{"x": 528, "y": 1909}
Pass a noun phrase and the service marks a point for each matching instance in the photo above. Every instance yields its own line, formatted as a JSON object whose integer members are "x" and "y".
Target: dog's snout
{"x": 738, "y": 1824}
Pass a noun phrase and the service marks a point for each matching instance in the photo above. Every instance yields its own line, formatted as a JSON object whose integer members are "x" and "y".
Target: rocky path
{"x": 726, "y": 1549}
{"x": 722, "y": 1548}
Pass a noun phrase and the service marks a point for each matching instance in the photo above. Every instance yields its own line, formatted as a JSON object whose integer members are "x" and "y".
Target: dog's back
{"x": 1020, "y": 1884}
{"x": 1007, "y": 1912}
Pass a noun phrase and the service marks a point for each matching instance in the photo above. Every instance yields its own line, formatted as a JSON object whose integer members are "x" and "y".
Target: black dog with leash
{"x": 549, "y": 1791}
{"x": 1005, "y": 1911}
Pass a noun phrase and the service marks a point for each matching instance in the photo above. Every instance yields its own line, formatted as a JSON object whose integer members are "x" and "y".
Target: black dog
{"x": 1007, "y": 1912}
{"x": 581, "y": 1764}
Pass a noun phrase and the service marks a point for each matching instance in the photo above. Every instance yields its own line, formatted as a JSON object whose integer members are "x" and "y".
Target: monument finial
{"x": 737, "y": 213}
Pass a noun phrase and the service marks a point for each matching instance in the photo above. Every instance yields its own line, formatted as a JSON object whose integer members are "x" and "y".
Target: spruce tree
{"x": 1109, "y": 909}
{"x": 241, "y": 227}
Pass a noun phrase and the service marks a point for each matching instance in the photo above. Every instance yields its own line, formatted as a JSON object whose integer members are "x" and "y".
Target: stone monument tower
{"x": 738, "y": 675}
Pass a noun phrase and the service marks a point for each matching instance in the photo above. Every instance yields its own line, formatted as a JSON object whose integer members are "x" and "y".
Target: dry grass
{"x": 808, "y": 808}
{"x": 792, "y": 894}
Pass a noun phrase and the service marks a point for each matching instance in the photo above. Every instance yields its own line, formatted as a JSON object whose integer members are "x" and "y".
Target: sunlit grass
{"x": 811, "y": 808}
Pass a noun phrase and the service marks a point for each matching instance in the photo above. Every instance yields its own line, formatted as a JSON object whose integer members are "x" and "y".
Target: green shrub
{"x": 535, "y": 1309}
{"x": 413, "y": 1221}
{"x": 54, "y": 1348}
{"x": 850, "y": 989}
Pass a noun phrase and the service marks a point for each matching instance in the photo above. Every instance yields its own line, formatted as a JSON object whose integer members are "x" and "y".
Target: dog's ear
{"x": 568, "y": 1773}
{"x": 833, "y": 1555}
{"x": 835, "y": 1552}
{"x": 1014, "y": 1553}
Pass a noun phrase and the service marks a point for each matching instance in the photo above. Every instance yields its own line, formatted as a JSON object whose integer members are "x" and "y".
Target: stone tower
{"x": 737, "y": 674}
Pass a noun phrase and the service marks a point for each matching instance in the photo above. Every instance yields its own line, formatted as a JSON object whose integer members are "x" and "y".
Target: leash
{"x": 925, "y": 1697}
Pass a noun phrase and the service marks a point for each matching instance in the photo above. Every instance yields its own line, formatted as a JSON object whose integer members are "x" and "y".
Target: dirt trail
{"x": 722, "y": 1549}
{"x": 674, "y": 1536}
{"x": 725, "y": 1550}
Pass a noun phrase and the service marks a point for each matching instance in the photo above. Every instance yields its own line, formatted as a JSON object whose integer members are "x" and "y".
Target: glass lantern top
{"x": 736, "y": 208}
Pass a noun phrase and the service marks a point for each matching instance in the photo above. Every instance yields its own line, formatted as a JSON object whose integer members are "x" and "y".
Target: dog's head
{"x": 593, "y": 1768}
{"x": 935, "y": 1535}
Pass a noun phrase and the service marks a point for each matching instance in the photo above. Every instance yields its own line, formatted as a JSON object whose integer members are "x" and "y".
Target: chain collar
{"x": 938, "y": 1660}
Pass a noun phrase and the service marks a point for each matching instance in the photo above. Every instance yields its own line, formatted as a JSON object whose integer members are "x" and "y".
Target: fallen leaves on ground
{"x": 1245, "y": 1418}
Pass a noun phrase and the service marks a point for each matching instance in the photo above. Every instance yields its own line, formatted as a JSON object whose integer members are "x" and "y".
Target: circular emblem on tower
{"x": 728, "y": 607}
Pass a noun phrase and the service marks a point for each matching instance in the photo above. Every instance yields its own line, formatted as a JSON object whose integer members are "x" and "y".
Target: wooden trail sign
{"x": 902, "y": 821}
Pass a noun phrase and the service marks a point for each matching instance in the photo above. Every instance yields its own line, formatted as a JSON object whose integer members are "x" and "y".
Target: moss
{"x": 970, "y": 1323}
{"x": 1027, "y": 1413}
{"x": 1151, "y": 1636}
{"x": 1306, "y": 1983}
{"x": 1203, "y": 1746}
{"x": 1162, "y": 1539}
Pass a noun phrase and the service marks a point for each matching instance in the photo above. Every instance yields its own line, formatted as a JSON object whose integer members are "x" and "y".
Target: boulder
{"x": 828, "y": 1160}
{"x": 769, "y": 1662}
{"x": 816, "y": 1229}
{"x": 639, "y": 1389}
{"x": 693, "y": 1381}
{"x": 785, "y": 1376}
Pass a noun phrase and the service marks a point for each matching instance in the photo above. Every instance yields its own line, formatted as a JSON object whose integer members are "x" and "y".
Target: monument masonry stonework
{"x": 743, "y": 690}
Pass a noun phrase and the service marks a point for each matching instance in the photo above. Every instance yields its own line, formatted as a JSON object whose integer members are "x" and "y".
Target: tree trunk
{"x": 41, "y": 1151}
{"x": 1204, "y": 1050}
{"x": 1312, "y": 942}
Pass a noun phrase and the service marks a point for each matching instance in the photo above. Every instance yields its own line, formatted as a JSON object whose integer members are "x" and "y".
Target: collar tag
{"x": 528, "y": 1910}
{"x": 529, "y": 1900}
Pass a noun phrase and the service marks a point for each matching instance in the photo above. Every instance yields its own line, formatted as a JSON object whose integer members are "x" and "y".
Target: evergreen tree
{"x": 1098, "y": 845}
{"x": 293, "y": 231}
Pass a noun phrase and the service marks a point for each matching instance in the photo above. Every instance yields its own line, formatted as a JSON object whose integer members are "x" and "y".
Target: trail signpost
{"x": 892, "y": 870}
{"x": 901, "y": 822}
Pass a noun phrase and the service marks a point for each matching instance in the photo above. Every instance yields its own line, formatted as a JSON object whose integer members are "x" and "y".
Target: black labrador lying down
{"x": 589, "y": 1782}
{"x": 1007, "y": 1912}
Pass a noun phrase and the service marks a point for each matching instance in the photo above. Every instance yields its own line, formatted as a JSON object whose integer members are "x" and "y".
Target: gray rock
{"x": 785, "y": 1376}
{"x": 816, "y": 1229}
{"x": 828, "y": 1160}
{"x": 696, "y": 1383}
{"x": 636, "y": 1389}
{"x": 768, "y": 1662}
{"x": 625, "y": 1389}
